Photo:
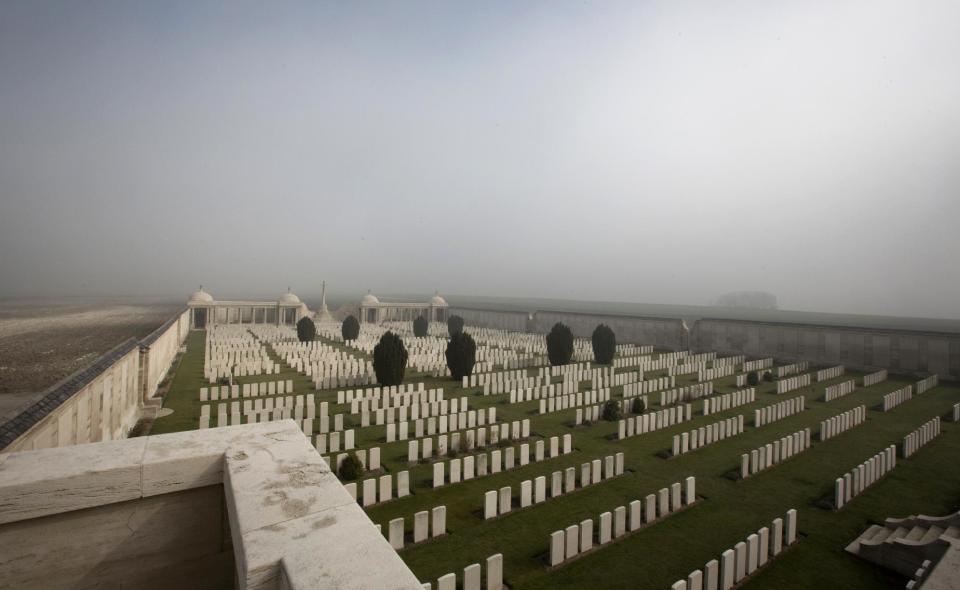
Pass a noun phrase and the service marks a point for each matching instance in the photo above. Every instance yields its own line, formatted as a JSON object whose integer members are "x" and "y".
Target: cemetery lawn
{"x": 658, "y": 555}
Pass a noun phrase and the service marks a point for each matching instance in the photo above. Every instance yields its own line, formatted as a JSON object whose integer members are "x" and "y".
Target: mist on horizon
{"x": 658, "y": 153}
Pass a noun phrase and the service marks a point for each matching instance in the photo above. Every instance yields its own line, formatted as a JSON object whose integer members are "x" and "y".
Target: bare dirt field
{"x": 41, "y": 342}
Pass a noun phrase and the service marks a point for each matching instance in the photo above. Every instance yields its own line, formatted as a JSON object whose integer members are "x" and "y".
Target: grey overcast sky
{"x": 660, "y": 152}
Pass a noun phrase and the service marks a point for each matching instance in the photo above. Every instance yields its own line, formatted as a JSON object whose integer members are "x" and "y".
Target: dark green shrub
{"x": 350, "y": 468}
{"x": 420, "y": 327}
{"x": 390, "y": 359}
{"x": 768, "y": 377}
{"x": 604, "y": 344}
{"x": 612, "y": 411}
{"x": 752, "y": 378}
{"x": 454, "y": 325}
{"x": 559, "y": 344}
{"x": 306, "y": 330}
{"x": 350, "y": 328}
{"x": 461, "y": 355}
{"x": 638, "y": 407}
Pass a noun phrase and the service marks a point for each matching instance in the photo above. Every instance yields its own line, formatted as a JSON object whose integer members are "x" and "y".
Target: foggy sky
{"x": 639, "y": 151}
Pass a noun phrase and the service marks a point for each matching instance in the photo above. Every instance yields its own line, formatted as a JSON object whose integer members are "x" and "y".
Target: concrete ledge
{"x": 292, "y": 522}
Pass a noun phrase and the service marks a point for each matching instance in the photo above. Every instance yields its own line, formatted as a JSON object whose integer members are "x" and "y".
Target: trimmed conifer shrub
{"x": 638, "y": 407}
{"x": 753, "y": 378}
{"x": 351, "y": 468}
{"x": 461, "y": 355}
{"x": 454, "y": 325}
{"x": 559, "y": 344}
{"x": 612, "y": 411}
{"x": 350, "y": 328}
{"x": 306, "y": 330}
{"x": 420, "y": 327}
{"x": 604, "y": 344}
{"x": 390, "y": 359}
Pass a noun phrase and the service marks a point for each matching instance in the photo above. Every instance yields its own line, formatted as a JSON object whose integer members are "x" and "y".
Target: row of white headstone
{"x": 841, "y": 423}
{"x": 728, "y": 401}
{"x": 377, "y": 490}
{"x": 831, "y": 373}
{"x": 373, "y": 454}
{"x": 471, "y": 577}
{"x": 686, "y": 394}
{"x": 793, "y": 383}
{"x": 587, "y": 415}
{"x": 778, "y": 411}
{"x": 839, "y": 390}
{"x": 424, "y": 449}
{"x": 421, "y": 527}
{"x": 757, "y": 365}
{"x": 542, "y": 391}
{"x": 634, "y": 349}
{"x": 331, "y": 442}
{"x": 914, "y": 441}
{"x": 576, "y": 539}
{"x": 653, "y": 421}
{"x": 384, "y": 393}
{"x": 729, "y": 361}
{"x": 715, "y": 373}
{"x": 895, "y": 398}
{"x": 222, "y": 392}
{"x": 875, "y": 378}
{"x": 442, "y": 424}
{"x": 745, "y": 558}
{"x": 417, "y": 404}
{"x": 581, "y": 398}
{"x": 435, "y": 409}
{"x": 853, "y": 483}
{"x": 927, "y": 384}
{"x": 474, "y": 464}
{"x": 644, "y": 387}
{"x": 774, "y": 453}
{"x": 500, "y": 502}
{"x": 786, "y": 370}
{"x": 687, "y": 442}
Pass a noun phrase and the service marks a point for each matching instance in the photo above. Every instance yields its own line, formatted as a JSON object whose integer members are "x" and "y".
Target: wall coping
{"x": 293, "y": 523}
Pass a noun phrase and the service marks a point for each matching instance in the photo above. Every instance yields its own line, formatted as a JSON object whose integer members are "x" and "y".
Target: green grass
{"x": 928, "y": 483}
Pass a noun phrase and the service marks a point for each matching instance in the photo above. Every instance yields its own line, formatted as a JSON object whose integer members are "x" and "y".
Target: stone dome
{"x": 201, "y": 296}
{"x": 289, "y": 297}
{"x": 438, "y": 300}
{"x": 369, "y": 299}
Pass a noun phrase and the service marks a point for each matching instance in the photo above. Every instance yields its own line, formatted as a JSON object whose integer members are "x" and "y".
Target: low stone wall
{"x": 158, "y": 350}
{"x": 102, "y": 401}
{"x": 99, "y": 403}
{"x": 668, "y": 333}
{"x": 899, "y": 351}
{"x": 251, "y": 507}
{"x": 486, "y": 318}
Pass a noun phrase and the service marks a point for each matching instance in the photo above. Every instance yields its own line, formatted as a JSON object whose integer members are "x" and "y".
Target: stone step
{"x": 932, "y": 534}
{"x": 953, "y": 531}
{"x": 896, "y": 534}
{"x": 916, "y": 533}
{"x": 872, "y": 533}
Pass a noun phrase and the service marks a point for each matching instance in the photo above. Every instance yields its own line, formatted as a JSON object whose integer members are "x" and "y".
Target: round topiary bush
{"x": 350, "y": 328}
{"x": 306, "y": 330}
{"x": 559, "y": 345}
{"x": 420, "y": 327}
{"x": 390, "y": 359}
{"x": 768, "y": 377}
{"x": 638, "y": 407}
{"x": 351, "y": 468}
{"x": 461, "y": 355}
{"x": 454, "y": 325}
{"x": 604, "y": 344}
{"x": 612, "y": 411}
{"x": 752, "y": 378}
